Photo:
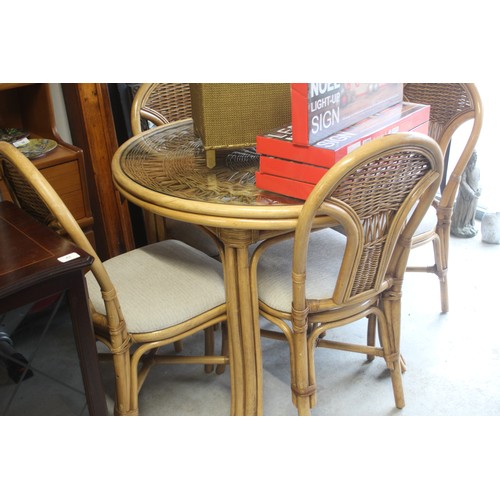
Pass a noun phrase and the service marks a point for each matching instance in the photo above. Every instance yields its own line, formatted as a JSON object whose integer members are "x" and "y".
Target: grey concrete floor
{"x": 452, "y": 359}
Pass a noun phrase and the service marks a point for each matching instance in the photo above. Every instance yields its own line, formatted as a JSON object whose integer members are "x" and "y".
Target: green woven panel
{"x": 229, "y": 115}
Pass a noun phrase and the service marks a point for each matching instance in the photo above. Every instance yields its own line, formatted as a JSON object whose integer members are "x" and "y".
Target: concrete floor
{"x": 452, "y": 359}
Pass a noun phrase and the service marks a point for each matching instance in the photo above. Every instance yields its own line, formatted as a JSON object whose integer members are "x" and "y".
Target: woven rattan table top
{"x": 171, "y": 160}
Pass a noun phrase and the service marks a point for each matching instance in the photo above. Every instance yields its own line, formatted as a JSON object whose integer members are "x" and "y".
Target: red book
{"x": 305, "y": 171}
{"x": 284, "y": 186}
{"x": 291, "y": 169}
{"x": 398, "y": 118}
{"x": 321, "y": 109}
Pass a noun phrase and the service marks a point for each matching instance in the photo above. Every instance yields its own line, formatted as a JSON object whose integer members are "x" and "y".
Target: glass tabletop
{"x": 171, "y": 160}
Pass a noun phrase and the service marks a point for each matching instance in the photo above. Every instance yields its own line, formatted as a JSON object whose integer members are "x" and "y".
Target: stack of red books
{"x": 292, "y": 168}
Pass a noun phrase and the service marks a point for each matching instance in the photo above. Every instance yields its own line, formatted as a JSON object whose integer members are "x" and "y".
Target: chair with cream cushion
{"x": 317, "y": 280}
{"x": 141, "y": 300}
{"x": 452, "y": 105}
{"x": 156, "y": 104}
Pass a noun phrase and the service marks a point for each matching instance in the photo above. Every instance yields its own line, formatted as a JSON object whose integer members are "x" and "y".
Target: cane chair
{"x": 156, "y": 104}
{"x": 141, "y": 300}
{"x": 452, "y": 105}
{"x": 317, "y": 280}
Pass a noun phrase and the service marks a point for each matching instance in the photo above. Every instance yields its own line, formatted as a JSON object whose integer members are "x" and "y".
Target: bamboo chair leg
{"x": 161, "y": 232}
{"x": 311, "y": 346}
{"x": 135, "y": 383}
{"x": 224, "y": 348}
{"x": 371, "y": 334}
{"x": 441, "y": 272}
{"x": 121, "y": 365}
{"x": 389, "y": 326}
{"x": 444, "y": 295}
{"x": 147, "y": 362}
{"x": 150, "y": 227}
{"x": 397, "y": 385}
{"x": 443, "y": 288}
{"x": 301, "y": 387}
{"x": 209, "y": 346}
{"x": 303, "y": 407}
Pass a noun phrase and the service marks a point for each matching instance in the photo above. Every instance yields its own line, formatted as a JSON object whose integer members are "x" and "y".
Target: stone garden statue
{"x": 464, "y": 212}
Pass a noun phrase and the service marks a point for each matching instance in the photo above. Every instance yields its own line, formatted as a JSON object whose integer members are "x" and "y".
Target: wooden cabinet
{"x": 29, "y": 107}
{"x": 90, "y": 118}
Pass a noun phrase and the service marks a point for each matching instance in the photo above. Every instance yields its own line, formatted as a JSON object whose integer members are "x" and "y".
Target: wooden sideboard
{"x": 29, "y": 107}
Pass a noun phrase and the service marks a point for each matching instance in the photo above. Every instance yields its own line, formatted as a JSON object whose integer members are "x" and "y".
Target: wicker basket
{"x": 231, "y": 115}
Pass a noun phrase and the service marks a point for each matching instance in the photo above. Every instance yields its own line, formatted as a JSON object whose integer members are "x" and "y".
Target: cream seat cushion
{"x": 274, "y": 271}
{"x": 161, "y": 285}
{"x": 192, "y": 235}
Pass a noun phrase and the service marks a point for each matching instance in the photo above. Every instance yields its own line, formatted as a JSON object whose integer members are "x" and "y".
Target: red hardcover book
{"x": 284, "y": 186}
{"x": 291, "y": 169}
{"x": 305, "y": 171}
{"x": 321, "y": 109}
{"x": 398, "y": 118}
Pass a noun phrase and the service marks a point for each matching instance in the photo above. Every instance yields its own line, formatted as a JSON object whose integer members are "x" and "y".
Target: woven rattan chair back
{"x": 32, "y": 192}
{"x": 157, "y": 104}
{"x": 378, "y": 195}
{"x": 370, "y": 194}
{"x": 26, "y": 197}
{"x": 452, "y": 105}
{"x": 160, "y": 103}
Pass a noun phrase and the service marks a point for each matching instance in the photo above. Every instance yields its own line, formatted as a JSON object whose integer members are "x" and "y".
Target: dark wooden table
{"x": 36, "y": 263}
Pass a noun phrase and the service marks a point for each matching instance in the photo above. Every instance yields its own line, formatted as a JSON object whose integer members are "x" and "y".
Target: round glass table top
{"x": 171, "y": 160}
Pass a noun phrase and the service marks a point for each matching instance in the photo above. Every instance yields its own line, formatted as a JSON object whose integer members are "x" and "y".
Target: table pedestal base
{"x": 244, "y": 342}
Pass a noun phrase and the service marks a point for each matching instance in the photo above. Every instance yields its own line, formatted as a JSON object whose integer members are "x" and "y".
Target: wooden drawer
{"x": 65, "y": 179}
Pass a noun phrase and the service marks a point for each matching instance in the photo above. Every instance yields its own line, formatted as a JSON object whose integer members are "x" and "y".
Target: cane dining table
{"x": 164, "y": 170}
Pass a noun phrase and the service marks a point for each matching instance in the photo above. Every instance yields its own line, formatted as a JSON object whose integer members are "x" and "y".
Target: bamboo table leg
{"x": 243, "y": 338}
